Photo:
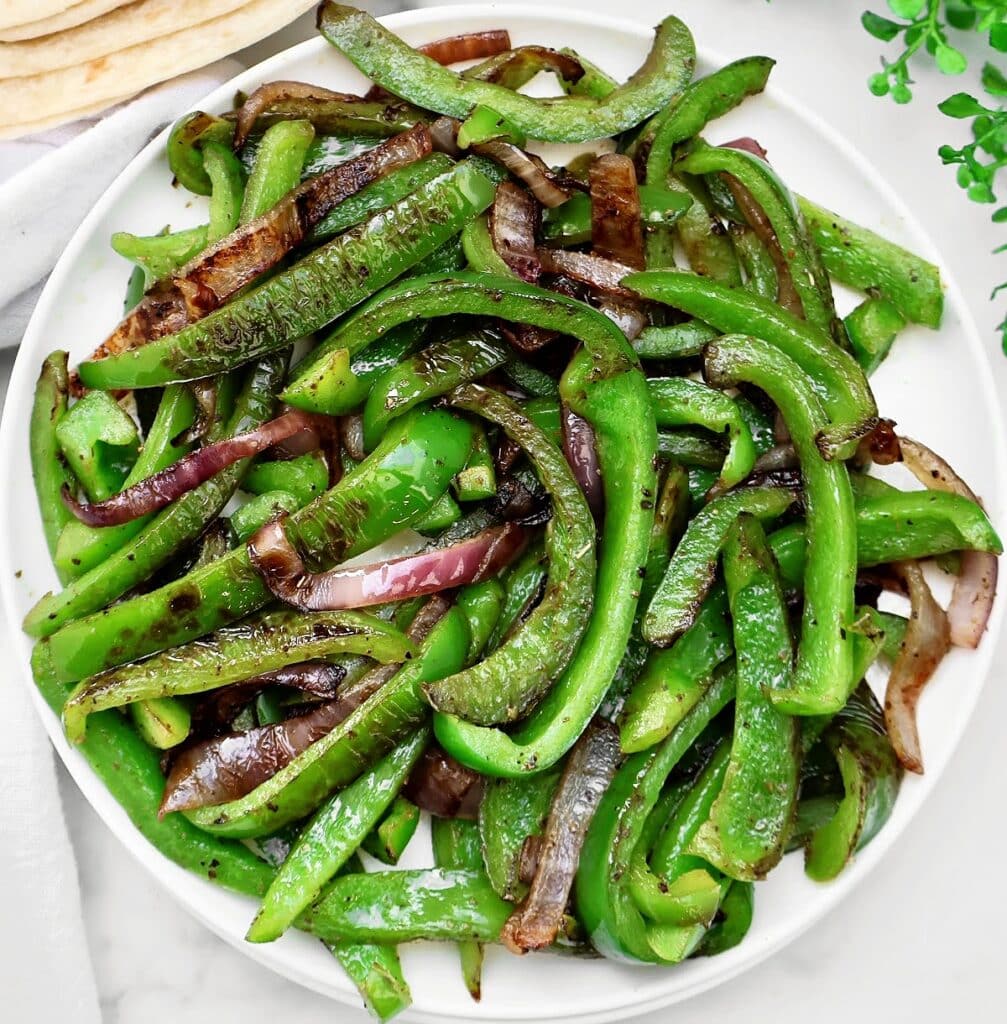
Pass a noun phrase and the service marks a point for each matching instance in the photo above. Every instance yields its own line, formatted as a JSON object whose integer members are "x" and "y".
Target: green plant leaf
{"x": 998, "y": 37}
{"x": 994, "y": 81}
{"x": 961, "y": 104}
{"x": 1000, "y": 216}
{"x": 906, "y": 8}
{"x": 949, "y": 60}
{"x": 881, "y": 28}
{"x": 963, "y": 18}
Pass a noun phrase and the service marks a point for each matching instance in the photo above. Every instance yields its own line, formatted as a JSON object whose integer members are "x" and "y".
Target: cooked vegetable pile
{"x": 622, "y": 439}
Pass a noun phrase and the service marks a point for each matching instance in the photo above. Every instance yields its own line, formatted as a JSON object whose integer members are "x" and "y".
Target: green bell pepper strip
{"x": 872, "y": 328}
{"x": 677, "y": 341}
{"x": 262, "y": 509}
{"x": 510, "y": 812}
{"x": 692, "y": 448}
{"x": 756, "y": 261}
{"x": 695, "y": 106}
{"x": 745, "y": 833}
{"x": 602, "y": 895}
{"x": 163, "y": 722}
{"x": 690, "y": 575}
{"x": 478, "y": 478}
{"x": 305, "y": 477}
{"x": 397, "y": 67}
{"x": 330, "y": 838}
{"x": 737, "y": 910}
{"x": 479, "y": 250}
{"x": 822, "y": 680}
{"x": 837, "y": 379}
{"x": 484, "y": 125}
{"x": 82, "y": 547}
{"x": 388, "y": 839}
{"x": 679, "y": 401}
{"x": 530, "y": 379}
{"x": 403, "y": 906}
{"x": 523, "y": 583}
{"x": 570, "y": 222}
{"x": 387, "y": 492}
{"x": 313, "y": 292}
{"x": 707, "y": 245}
{"x": 457, "y": 846}
{"x": 380, "y": 194}
{"x": 185, "y": 148}
{"x": 270, "y": 642}
{"x": 481, "y": 604}
{"x": 227, "y": 178}
{"x": 369, "y": 732}
{"x": 444, "y": 512}
{"x": 774, "y": 198}
{"x": 432, "y": 372}
{"x": 170, "y": 530}
{"x": 673, "y": 680}
{"x": 99, "y": 442}
{"x": 135, "y": 286}
{"x": 158, "y": 256}
{"x": 49, "y": 469}
{"x": 514, "y": 677}
{"x": 545, "y": 413}
{"x": 871, "y": 778}
{"x": 277, "y": 167}
{"x": 859, "y": 258}
{"x": 131, "y": 771}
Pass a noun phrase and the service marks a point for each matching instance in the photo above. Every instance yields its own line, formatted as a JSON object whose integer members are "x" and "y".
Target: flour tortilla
{"x": 16, "y": 131}
{"x": 45, "y": 96}
{"x": 18, "y": 12}
{"x": 118, "y": 30}
{"x": 86, "y": 10}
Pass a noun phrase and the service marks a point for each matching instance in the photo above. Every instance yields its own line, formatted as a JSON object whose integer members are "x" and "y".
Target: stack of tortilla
{"x": 61, "y": 60}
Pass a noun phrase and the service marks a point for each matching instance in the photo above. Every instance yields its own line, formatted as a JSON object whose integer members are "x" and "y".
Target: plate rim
{"x": 112, "y": 816}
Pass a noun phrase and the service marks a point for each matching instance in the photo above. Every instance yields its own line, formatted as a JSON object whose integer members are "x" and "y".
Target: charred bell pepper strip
{"x": 403, "y": 906}
{"x": 679, "y": 401}
{"x": 49, "y": 469}
{"x": 170, "y": 530}
{"x": 480, "y": 252}
{"x": 371, "y": 730}
{"x": 761, "y": 276}
{"x": 478, "y": 480}
{"x": 690, "y": 575}
{"x": 602, "y": 894}
{"x": 277, "y": 168}
{"x": 570, "y": 223}
{"x": 735, "y": 918}
{"x": 481, "y": 604}
{"x": 774, "y": 198}
{"x": 859, "y": 258}
{"x": 822, "y": 679}
{"x": 838, "y": 381}
{"x": 456, "y": 846}
{"x": 523, "y": 585}
{"x": 515, "y": 68}
{"x": 100, "y": 443}
{"x": 745, "y": 833}
{"x": 871, "y": 777}
{"x": 131, "y": 771}
{"x": 397, "y": 67}
{"x": 329, "y": 839}
{"x": 157, "y": 256}
{"x": 265, "y": 644}
{"x": 872, "y": 328}
{"x": 432, "y": 372}
{"x": 677, "y": 341}
{"x": 388, "y": 840}
{"x": 185, "y": 148}
{"x": 312, "y": 293}
{"x": 227, "y": 178}
{"x": 390, "y": 490}
{"x": 306, "y": 477}
{"x": 502, "y": 687}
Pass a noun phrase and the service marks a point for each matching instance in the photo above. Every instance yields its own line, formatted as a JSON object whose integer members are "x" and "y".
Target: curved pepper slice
{"x": 823, "y": 678}
{"x": 313, "y": 292}
{"x": 391, "y": 489}
{"x": 397, "y": 67}
{"x": 835, "y": 376}
{"x": 504, "y": 685}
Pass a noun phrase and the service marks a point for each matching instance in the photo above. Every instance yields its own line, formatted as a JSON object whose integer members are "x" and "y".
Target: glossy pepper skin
{"x": 308, "y": 295}
{"x": 376, "y": 726}
{"x": 823, "y": 676}
{"x": 393, "y": 64}
{"x": 501, "y": 687}
{"x": 390, "y": 490}
{"x": 277, "y": 168}
{"x": 838, "y": 381}
{"x": 747, "y": 827}
{"x": 167, "y": 533}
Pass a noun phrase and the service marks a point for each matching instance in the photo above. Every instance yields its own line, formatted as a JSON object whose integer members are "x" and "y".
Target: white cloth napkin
{"x": 49, "y": 181}
{"x": 52, "y": 181}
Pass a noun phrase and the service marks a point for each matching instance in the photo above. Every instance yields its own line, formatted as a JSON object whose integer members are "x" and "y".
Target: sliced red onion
{"x": 444, "y": 133}
{"x": 601, "y": 274}
{"x": 266, "y": 96}
{"x": 204, "y": 393}
{"x": 513, "y": 223}
{"x": 526, "y": 167}
{"x": 881, "y": 445}
{"x": 780, "y": 456}
{"x": 926, "y": 642}
{"x": 444, "y": 787}
{"x": 976, "y": 586}
{"x": 352, "y": 433}
{"x": 627, "y": 316}
{"x": 542, "y": 58}
{"x": 588, "y": 772}
{"x": 469, "y": 46}
{"x": 582, "y": 454}
{"x": 747, "y": 145}
{"x": 411, "y": 576}
{"x": 616, "y": 225}
{"x": 187, "y": 473}
{"x": 216, "y": 274}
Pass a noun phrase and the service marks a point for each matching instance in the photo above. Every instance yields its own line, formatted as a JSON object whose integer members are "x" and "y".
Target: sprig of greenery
{"x": 923, "y": 25}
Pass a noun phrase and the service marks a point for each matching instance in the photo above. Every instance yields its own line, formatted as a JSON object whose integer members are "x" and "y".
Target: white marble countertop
{"x": 920, "y": 939}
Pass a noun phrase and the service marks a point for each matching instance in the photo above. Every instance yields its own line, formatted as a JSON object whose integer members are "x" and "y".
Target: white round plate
{"x": 936, "y": 385}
